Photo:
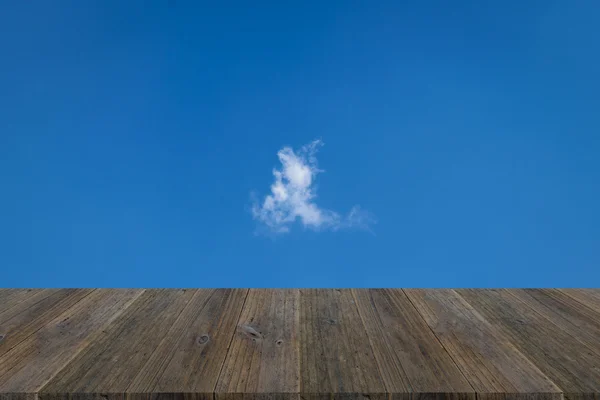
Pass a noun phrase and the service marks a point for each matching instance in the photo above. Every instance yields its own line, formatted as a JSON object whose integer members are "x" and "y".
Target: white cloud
{"x": 293, "y": 196}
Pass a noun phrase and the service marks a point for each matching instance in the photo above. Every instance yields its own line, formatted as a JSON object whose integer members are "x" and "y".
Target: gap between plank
{"x": 92, "y": 336}
{"x": 41, "y": 327}
{"x": 50, "y": 309}
{"x": 371, "y": 341}
{"x": 551, "y": 322}
{"x": 43, "y": 290}
{"x": 214, "y": 394}
{"x": 577, "y": 301}
{"x": 166, "y": 335}
{"x": 517, "y": 349}
{"x": 439, "y": 341}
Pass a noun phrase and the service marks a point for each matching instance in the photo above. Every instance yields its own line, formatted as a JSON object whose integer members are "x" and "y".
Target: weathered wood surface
{"x": 299, "y": 344}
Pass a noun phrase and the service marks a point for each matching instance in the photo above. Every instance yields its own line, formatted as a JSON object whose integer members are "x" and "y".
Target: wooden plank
{"x": 190, "y": 357}
{"x": 7, "y": 293}
{"x": 18, "y": 396}
{"x": 588, "y": 297}
{"x": 570, "y": 364}
{"x": 336, "y": 358}
{"x": 263, "y": 360}
{"x": 410, "y": 357}
{"x": 565, "y": 312}
{"x": 114, "y": 358}
{"x": 34, "y": 312}
{"x": 491, "y": 363}
{"x": 31, "y": 364}
{"x": 235, "y": 344}
{"x": 18, "y": 308}
{"x": 12, "y": 297}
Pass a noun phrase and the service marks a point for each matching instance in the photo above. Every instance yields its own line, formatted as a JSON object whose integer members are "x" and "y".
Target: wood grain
{"x": 191, "y": 356}
{"x": 123, "y": 347}
{"x": 11, "y": 309}
{"x": 410, "y": 357}
{"x": 31, "y": 364}
{"x": 32, "y": 313}
{"x": 488, "y": 359}
{"x": 588, "y": 297}
{"x": 263, "y": 360}
{"x": 299, "y": 344}
{"x": 11, "y": 297}
{"x": 336, "y": 355}
{"x": 580, "y": 322}
{"x": 569, "y": 363}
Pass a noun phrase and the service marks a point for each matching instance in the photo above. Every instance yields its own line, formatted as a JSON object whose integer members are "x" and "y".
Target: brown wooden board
{"x": 299, "y": 344}
{"x": 587, "y": 297}
{"x": 559, "y": 308}
{"x": 123, "y": 347}
{"x": 190, "y": 357}
{"x": 491, "y": 363}
{"x": 30, "y": 365}
{"x": 336, "y": 356}
{"x": 12, "y": 297}
{"x": 410, "y": 357}
{"x": 32, "y": 313}
{"x": 263, "y": 359}
{"x": 570, "y": 364}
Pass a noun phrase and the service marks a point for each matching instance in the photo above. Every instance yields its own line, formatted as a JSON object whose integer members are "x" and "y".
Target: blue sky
{"x": 138, "y": 143}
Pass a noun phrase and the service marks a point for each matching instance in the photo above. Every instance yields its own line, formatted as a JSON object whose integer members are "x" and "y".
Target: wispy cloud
{"x": 293, "y": 196}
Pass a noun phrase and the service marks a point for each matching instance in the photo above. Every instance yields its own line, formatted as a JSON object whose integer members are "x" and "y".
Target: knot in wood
{"x": 251, "y": 332}
{"x": 279, "y": 342}
{"x": 202, "y": 339}
{"x": 63, "y": 323}
{"x": 2, "y": 337}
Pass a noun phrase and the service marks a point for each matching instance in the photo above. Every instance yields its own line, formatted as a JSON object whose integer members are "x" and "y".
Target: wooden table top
{"x": 300, "y": 344}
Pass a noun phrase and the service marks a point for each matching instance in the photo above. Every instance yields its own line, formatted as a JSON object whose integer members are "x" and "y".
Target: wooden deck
{"x": 307, "y": 344}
